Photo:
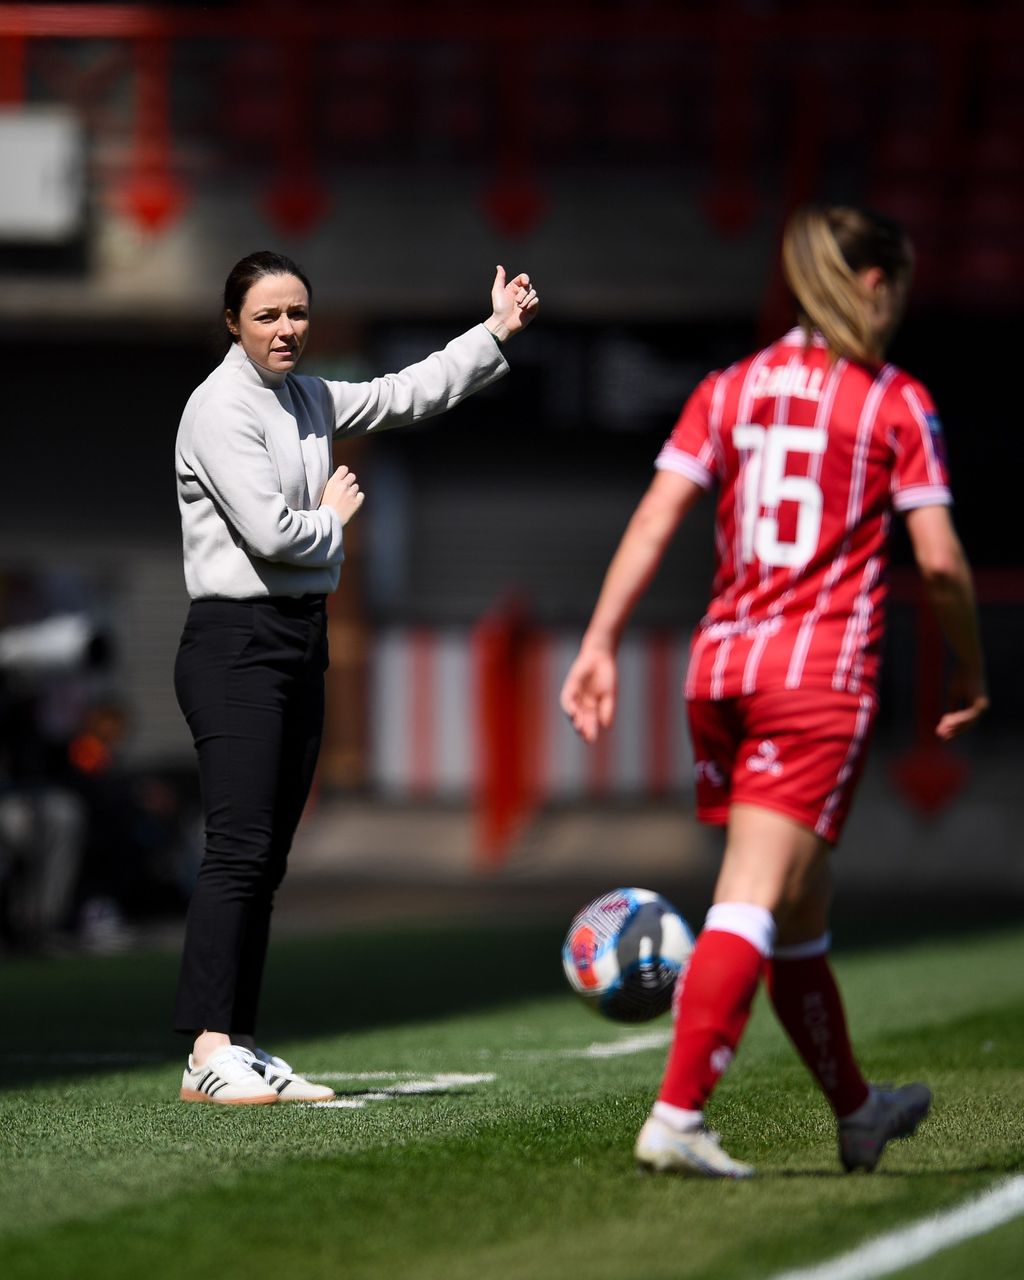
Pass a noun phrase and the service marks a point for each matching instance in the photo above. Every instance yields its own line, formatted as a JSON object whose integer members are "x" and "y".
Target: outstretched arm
{"x": 950, "y": 591}
{"x": 468, "y": 363}
{"x": 588, "y": 694}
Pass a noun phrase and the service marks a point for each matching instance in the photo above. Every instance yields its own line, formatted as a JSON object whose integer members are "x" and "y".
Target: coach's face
{"x": 273, "y": 322}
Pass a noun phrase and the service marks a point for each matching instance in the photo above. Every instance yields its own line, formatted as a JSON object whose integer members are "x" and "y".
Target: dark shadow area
{"x": 75, "y": 1016}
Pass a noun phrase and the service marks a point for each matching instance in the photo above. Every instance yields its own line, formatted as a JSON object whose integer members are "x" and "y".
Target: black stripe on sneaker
{"x": 202, "y": 1083}
{"x": 215, "y": 1089}
{"x": 281, "y": 1085}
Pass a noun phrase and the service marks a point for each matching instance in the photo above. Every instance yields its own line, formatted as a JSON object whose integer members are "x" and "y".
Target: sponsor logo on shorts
{"x": 709, "y": 771}
{"x": 766, "y": 760}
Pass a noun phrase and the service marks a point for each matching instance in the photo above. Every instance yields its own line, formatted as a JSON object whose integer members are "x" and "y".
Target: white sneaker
{"x": 226, "y": 1076}
{"x": 287, "y": 1084}
{"x": 888, "y": 1114}
{"x": 697, "y": 1152}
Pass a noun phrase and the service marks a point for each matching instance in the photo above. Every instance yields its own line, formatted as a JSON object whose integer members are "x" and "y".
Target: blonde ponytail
{"x": 823, "y": 250}
{"x": 826, "y": 288}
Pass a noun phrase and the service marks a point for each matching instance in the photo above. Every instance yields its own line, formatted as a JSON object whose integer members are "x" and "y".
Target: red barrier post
{"x": 506, "y": 715}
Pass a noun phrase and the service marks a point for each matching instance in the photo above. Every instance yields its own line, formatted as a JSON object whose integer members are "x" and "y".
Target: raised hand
{"x": 514, "y": 304}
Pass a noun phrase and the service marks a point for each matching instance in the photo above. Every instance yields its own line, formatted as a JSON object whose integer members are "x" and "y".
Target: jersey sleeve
{"x": 920, "y": 475}
{"x": 689, "y": 450}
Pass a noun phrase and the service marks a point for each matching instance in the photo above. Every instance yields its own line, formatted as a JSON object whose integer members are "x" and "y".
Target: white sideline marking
{"x": 80, "y": 1059}
{"x": 358, "y": 1075}
{"x": 619, "y": 1048}
{"x": 600, "y": 1048}
{"x": 899, "y": 1249}
{"x": 439, "y": 1083}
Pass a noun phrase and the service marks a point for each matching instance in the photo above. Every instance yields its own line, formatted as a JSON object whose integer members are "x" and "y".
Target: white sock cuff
{"x": 678, "y": 1117}
{"x": 755, "y": 924}
{"x": 804, "y": 950}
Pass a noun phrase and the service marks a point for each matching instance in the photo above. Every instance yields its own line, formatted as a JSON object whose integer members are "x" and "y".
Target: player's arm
{"x": 588, "y": 694}
{"x": 950, "y": 591}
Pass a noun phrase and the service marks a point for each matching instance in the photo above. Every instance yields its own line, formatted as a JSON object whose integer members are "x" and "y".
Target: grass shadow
{"x": 65, "y": 1017}
{"x": 80, "y": 1015}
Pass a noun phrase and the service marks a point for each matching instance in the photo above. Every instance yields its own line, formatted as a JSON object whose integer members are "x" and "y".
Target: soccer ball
{"x": 624, "y": 952}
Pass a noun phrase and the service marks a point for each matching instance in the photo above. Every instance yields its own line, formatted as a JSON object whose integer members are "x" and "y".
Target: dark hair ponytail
{"x": 244, "y": 274}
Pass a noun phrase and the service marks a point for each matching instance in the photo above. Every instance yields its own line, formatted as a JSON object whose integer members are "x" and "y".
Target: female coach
{"x": 262, "y": 518}
{"x": 813, "y": 442}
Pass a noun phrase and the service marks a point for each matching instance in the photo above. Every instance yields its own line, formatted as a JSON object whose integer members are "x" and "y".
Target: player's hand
{"x": 969, "y": 698}
{"x": 514, "y": 304}
{"x": 343, "y": 494}
{"x": 588, "y": 694}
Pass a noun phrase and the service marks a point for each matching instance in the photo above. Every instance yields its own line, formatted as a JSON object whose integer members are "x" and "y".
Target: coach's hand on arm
{"x": 514, "y": 304}
{"x": 342, "y": 494}
{"x": 950, "y": 591}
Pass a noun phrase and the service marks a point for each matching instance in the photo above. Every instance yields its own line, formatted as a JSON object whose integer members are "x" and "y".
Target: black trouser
{"x": 250, "y": 680}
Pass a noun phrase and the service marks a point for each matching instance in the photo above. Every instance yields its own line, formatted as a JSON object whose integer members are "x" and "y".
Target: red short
{"x": 800, "y": 751}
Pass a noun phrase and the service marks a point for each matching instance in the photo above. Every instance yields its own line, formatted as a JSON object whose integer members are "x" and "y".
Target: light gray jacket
{"x": 253, "y": 455}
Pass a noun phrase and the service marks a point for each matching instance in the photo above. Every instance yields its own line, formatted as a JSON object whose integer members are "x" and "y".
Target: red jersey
{"x": 811, "y": 458}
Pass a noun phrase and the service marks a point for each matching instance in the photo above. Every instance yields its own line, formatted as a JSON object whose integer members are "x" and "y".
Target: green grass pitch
{"x": 517, "y": 1160}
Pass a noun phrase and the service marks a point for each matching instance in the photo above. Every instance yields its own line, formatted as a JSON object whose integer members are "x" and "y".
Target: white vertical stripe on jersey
{"x": 715, "y": 413}
{"x": 754, "y": 659}
{"x": 860, "y": 729}
{"x": 760, "y": 639}
{"x": 805, "y": 635}
{"x": 858, "y": 471}
{"x": 917, "y": 409}
{"x": 715, "y": 416}
{"x": 856, "y": 626}
{"x": 868, "y": 414}
{"x": 764, "y": 634}
{"x": 868, "y": 610}
{"x": 743, "y": 409}
{"x": 718, "y": 670}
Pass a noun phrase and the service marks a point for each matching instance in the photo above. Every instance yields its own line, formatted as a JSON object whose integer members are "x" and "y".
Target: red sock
{"x": 809, "y": 1006}
{"x": 718, "y": 991}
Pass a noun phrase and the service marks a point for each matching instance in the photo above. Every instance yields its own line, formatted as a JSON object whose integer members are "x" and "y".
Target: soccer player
{"x": 813, "y": 442}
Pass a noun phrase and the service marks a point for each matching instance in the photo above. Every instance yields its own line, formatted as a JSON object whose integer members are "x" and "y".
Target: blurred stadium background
{"x": 639, "y": 160}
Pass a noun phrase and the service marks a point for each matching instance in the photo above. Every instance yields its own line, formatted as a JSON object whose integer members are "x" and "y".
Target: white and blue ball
{"x": 624, "y": 953}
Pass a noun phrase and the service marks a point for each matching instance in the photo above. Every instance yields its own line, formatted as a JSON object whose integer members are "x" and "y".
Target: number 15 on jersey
{"x": 766, "y": 486}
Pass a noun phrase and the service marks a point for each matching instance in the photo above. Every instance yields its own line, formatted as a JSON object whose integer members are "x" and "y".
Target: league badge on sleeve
{"x": 938, "y": 439}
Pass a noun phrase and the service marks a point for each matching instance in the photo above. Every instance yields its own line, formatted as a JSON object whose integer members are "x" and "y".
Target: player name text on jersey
{"x": 798, "y": 381}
